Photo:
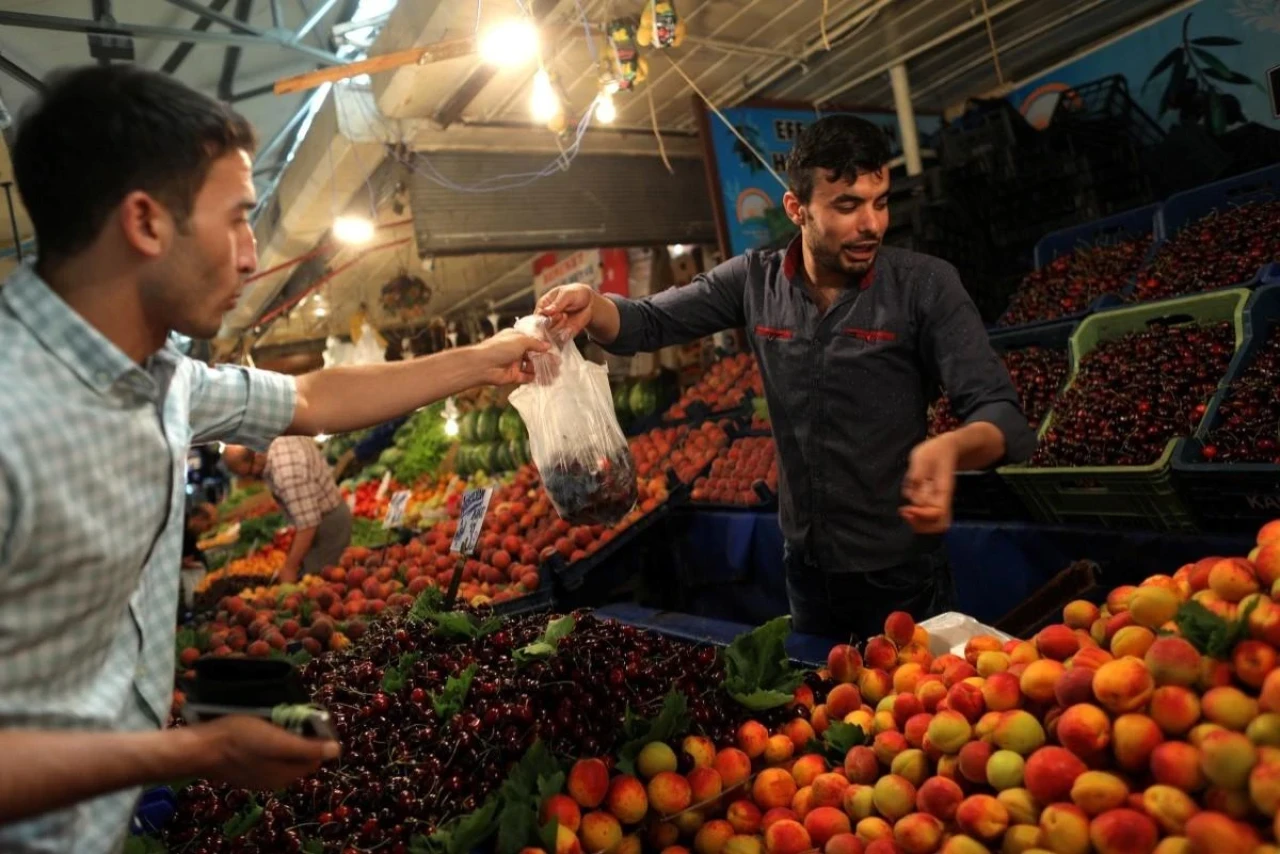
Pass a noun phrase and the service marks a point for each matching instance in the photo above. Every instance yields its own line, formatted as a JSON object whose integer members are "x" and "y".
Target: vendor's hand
{"x": 504, "y": 358}
{"x": 287, "y": 575}
{"x": 930, "y": 484}
{"x": 251, "y": 753}
{"x": 568, "y": 307}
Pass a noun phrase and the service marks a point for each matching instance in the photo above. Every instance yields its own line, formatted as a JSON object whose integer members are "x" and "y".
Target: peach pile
{"x": 1107, "y": 732}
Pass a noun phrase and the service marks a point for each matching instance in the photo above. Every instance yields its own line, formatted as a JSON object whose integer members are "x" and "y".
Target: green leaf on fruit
{"x": 758, "y": 672}
{"x": 535, "y": 777}
{"x": 244, "y": 821}
{"x": 460, "y": 624}
{"x": 313, "y": 846}
{"x": 427, "y": 603}
{"x": 305, "y": 611}
{"x": 449, "y": 701}
{"x": 144, "y": 845}
{"x": 463, "y": 834}
{"x": 1211, "y": 634}
{"x": 838, "y": 739}
{"x": 672, "y": 721}
{"x": 548, "y": 834}
{"x": 546, "y": 645}
{"x": 395, "y": 678}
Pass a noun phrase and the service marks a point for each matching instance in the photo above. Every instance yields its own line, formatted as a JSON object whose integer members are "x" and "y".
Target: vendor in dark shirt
{"x": 853, "y": 339}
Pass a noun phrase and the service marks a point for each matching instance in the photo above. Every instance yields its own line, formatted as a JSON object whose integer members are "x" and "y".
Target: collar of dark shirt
{"x": 793, "y": 266}
{"x": 83, "y": 349}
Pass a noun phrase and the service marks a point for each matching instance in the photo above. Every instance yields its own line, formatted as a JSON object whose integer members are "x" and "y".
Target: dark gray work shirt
{"x": 849, "y": 389}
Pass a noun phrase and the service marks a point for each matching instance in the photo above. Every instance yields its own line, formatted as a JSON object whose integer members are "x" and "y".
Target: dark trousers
{"x": 852, "y": 606}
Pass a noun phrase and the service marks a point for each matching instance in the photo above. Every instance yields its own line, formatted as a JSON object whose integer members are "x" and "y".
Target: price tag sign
{"x": 384, "y": 486}
{"x": 395, "y": 510}
{"x": 475, "y": 503}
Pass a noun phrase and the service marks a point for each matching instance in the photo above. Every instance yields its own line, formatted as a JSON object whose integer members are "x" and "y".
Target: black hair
{"x": 98, "y": 133}
{"x": 842, "y": 145}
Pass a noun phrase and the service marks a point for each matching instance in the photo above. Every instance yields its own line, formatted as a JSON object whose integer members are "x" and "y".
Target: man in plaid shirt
{"x": 303, "y": 486}
{"x": 139, "y": 190}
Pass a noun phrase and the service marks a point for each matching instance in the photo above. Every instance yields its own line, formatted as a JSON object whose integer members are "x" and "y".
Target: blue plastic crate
{"x": 1122, "y": 226}
{"x": 1190, "y": 205}
{"x": 806, "y": 649}
{"x": 1232, "y": 496}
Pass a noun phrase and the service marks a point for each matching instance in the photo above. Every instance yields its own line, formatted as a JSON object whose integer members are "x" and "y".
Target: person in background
{"x": 140, "y": 192}
{"x": 200, "y": 520}
{"x": 300, "y": 480}
{"x": 367, "y": 449}
{"x": 853, "y": 340}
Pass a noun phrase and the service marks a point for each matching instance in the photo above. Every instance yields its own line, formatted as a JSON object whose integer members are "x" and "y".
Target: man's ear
{"x": 795, "y": 209}
{"x": 145, "y": 224}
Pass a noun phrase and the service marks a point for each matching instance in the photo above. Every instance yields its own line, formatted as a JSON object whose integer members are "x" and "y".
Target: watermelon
{"x": 643, "y": 399}
{"x": 509, "y": 425}
{"x": 487, "y": 425}
{"x": 467, "y": 426}
{"x": 622, "y": 399}
{"x": 519, "y": 451}
{"x": 503, "y": 460}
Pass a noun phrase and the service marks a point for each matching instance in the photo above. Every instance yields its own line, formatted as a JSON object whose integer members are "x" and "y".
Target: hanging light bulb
{"x": 545, "y": 103}
{"x": 606, "y": 112}
{"x": 510, "y": 44}
{"x": 353, "y": 229}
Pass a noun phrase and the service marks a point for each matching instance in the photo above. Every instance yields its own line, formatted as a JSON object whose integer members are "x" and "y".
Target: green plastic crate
{"x": 1122, "y": 496}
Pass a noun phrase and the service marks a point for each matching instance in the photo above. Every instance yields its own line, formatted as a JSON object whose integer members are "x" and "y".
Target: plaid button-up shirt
{"x": 92, "y": 461}
{"x": 300, "y": 480}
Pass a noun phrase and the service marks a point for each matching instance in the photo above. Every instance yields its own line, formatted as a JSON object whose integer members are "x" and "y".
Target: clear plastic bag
{"x": 574, "y": 436}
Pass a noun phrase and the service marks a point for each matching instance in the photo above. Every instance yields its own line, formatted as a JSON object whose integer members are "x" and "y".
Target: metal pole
{"x": 906, "y": 118}
{"x": 315, "y": 19}
{"x": 13, "y": 218}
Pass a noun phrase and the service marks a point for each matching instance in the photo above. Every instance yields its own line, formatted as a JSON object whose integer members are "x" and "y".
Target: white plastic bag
{"x": 950, "y": 632}
{"x": 574, "y": 437}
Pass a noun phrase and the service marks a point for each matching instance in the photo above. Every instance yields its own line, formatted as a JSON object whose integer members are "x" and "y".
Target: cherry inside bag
{"x": 574, "y": 436}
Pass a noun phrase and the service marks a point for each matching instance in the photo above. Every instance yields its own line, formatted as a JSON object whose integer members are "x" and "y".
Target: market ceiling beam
{"x": 22, "y": 75}
{"x": 284, "y": 38}
{"x": 180, "y": 53}
{"x": 55, "y": 23}
{"x": 831, "y": 94}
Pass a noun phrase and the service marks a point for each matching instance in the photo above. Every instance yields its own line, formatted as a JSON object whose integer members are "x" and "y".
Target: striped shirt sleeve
{"x": 246, "y": 406}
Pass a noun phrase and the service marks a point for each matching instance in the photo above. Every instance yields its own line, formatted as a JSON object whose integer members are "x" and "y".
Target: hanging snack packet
{"x": 574, "y": 437}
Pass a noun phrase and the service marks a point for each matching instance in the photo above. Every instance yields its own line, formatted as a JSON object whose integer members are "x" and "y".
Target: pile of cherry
{"x": 1134, "y": 393}
{"x": 1221, "y": 250}
{"x": 1070, "y": 283}
{"x": 1037, "y": 373}
{"x": 405, "y": 771}
{"x": 1249, "y": 415}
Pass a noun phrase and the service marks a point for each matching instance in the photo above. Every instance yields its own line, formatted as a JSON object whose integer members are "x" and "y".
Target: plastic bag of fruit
{"x": 574, "y": 436}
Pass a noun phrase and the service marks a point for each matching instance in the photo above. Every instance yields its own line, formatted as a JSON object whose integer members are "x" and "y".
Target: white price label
{"x": 395, "y": 510}
{"x": 475, "y": 503}
{"x": 384, "y": 486}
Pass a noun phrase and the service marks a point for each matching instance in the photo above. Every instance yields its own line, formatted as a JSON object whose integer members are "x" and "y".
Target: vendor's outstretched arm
{"x": 47, "y": 770}
{"x": 336, "y": 400}
{"x": 712, "y": 302}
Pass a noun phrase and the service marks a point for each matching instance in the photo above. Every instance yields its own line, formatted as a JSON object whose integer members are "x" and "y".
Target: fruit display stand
{"x": 985, "y": 495}
{"x": 1146, "y": 722}
{"x": 1136, "y": 225}
{"x": 1213, "y": 219}
{"x": 1122, "y": 496}
{"x": 1230, "y": 495}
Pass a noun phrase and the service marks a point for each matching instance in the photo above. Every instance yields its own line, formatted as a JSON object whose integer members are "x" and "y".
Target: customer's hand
{"x": 252, "y": 753}
{"x": 504, "y": 358}
{"x": 568, "y": 307}
{"x": 930, "y": 485}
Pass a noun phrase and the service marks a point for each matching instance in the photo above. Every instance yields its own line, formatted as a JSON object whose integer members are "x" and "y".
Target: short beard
{"x": 834, "y": 262}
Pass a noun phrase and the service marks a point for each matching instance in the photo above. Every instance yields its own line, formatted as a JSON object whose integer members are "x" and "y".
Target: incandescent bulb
{"x": 545, "y": 103}
{"x": 606, "y": 112}
{"x": 353, "y": 229}
{"x": 451, "y": 427}
{"x": 512, "y": 43}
